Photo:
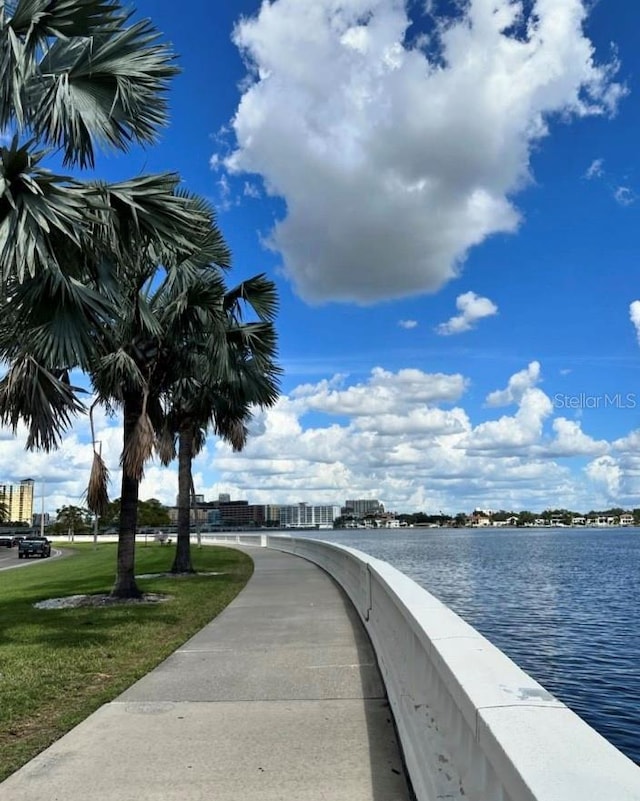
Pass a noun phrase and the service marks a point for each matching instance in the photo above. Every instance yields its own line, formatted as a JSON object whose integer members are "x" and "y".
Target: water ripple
{"x": 562, "y": 603}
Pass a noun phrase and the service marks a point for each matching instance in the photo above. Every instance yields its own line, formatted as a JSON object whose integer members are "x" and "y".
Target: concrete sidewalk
{"x": 278, "y": 699}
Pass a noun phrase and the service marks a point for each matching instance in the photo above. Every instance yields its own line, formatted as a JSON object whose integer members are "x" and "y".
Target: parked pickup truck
{"x": 34, "y": 546}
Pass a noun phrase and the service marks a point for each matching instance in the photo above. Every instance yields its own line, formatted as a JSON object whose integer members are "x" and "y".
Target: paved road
{"x": 9, "y": 558}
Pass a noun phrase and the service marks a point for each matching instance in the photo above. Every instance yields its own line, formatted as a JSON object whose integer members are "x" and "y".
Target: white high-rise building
{"x": 304, "y": 515}
{"x": 18, "y": 501}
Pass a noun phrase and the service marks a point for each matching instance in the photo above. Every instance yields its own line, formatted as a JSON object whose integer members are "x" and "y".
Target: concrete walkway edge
{"x": 279, "y": 698}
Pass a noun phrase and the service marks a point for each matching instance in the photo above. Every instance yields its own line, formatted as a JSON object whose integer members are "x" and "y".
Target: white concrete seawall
{"x": 472, "y": 724}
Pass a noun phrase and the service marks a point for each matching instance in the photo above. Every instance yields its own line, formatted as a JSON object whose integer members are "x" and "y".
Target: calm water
{"x": 562, "y": 603}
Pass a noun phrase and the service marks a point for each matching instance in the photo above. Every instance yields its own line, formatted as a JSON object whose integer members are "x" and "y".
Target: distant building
{"x": 240, "y": 513}
{"x": 480, "y": 519}
{"x": 304, "y": 515}
{"x": 195, "y": 499}
{"x": 38, "y": 519}
{"x": 230, "y": 514}
{"x": 213, "y": 517}
{"x": 197, "y": 515}
{"x": 272, "y": 515}
{"x": 362, "y": 507}
{"x": 18, "y": 501}
{"x": 224, "y": 497}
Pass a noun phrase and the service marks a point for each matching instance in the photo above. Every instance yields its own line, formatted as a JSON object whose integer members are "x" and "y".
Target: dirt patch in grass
{"x": 178, "y": 575}
{"x": 103, "y": 599}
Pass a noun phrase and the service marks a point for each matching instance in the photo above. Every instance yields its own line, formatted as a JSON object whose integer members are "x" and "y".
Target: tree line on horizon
{"x": 124, "y": 283}
{"x": 524, "y": 517}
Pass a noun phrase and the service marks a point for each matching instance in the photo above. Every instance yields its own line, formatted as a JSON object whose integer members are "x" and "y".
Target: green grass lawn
{"x": 59, "y": 665}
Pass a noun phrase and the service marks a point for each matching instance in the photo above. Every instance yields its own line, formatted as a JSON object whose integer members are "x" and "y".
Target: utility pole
{"x": 42, "y": 512}
{"x": 96, "y": 516}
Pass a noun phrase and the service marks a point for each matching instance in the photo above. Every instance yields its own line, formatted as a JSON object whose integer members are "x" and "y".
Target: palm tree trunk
{"x": 182, "y": 561}
{"x": 125, "y": 585}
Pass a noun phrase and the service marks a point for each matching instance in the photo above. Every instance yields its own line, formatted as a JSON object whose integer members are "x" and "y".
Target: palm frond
{"x": 166, "y": 445}
{"x": 115, "y": 374}
{"x": 148, "y": 326}
{"x": 199, "y": 440}
{"x": 147, "y": 210}
{"x": 13, "y": 67}
{"x": 42, "y": 399}
{"x": 35, "y": 20}
{"x": 212, "y": 250}
{"x": 97, "y": 490}
{"x": 78, "y": 73}
{"x": 176, "y": 279}
{"x": 188, "y": 308}
{"x": 44, "y": 217}
{"x": 257, "y": 341}
{"x": 259, "y": 293}
{"x": 232, "y": 430}
{"x": 57, "y": 319}
{"x": 139, "y": 448}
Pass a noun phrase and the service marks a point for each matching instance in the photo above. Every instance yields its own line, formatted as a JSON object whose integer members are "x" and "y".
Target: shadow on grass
{"x": 88, "y": 573}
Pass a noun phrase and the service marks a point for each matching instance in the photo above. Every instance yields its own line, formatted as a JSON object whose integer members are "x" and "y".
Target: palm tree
{"x": 165, "y": 304}
{"x": 73, "y": 73}
{"x": 78, "y": 259}
{"x": 231, "y": 372}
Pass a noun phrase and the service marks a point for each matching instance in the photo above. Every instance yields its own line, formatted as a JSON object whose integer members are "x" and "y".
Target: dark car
{"x": 6, "y": 542}
{"x": 34, "y": 546}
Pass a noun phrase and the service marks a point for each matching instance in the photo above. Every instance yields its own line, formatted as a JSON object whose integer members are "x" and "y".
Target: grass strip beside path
{"x": 57, "y": 666}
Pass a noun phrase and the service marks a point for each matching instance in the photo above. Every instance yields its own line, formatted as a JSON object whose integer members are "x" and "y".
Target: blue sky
{"x": 449, "y": 206}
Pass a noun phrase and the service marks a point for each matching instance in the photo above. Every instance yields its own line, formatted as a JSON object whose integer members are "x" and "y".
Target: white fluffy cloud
{"x": 570, "y": 440}
{"x": 606, "y": 471}
{"x": 634, "y": 314}
{"x": 472, "y": 308}
{"x": 396, "y": 155}
{"x": 403, "y": 436}
{"x": 518, "y": 384}
{"x": 406, "y": 444}
{"x": 385, "y": 392}
{"x": 523, "y": 430}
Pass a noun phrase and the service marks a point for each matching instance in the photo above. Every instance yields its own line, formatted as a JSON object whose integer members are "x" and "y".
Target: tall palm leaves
{"x": 73, "y": 74}
{"x": 231, "y": 372}
{"x": 53, "y": 321}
